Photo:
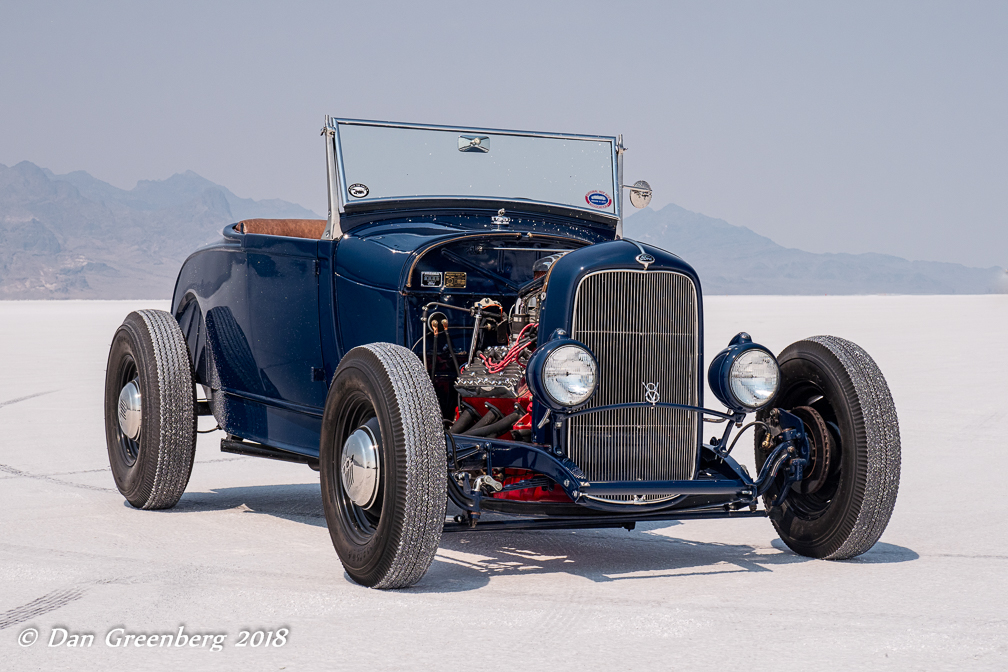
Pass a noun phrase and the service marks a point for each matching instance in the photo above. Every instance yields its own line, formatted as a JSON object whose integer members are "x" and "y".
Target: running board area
{"x": 239, "y": 447}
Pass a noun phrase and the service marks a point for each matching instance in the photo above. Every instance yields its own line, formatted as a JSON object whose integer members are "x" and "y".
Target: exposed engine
{"x": 493, "y": 398}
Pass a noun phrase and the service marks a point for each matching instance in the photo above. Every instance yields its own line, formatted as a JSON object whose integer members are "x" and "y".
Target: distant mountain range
{"x": 735, "y": 260}
{"x": 152, "y": 195}
{"x": 74, "y": 236}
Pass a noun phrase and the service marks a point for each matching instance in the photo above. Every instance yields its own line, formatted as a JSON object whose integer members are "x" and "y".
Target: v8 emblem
{"x": 651, "y": 393}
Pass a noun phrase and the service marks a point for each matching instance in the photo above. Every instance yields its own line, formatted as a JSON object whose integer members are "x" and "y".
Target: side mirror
{"x": 640, "y": 194}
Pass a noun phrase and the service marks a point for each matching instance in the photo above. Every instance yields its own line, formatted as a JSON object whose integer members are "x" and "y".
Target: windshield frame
{"x": 340, "y": 192}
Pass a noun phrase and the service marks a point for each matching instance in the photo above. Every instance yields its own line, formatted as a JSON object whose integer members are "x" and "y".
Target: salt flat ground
{"x": 247, "y": 547}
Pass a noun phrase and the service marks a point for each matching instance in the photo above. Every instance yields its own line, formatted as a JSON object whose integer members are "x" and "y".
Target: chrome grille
{"x": 642, "y": 327}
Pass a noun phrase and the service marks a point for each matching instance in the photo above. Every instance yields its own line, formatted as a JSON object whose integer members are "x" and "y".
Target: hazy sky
{"x": 849, "y": 127}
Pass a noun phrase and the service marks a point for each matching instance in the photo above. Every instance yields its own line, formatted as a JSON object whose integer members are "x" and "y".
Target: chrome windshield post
{"x": 620, "y": 148}
{"x": 332, "y": 230}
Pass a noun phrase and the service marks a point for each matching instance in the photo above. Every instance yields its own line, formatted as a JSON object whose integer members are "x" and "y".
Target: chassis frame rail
{"x": 593, "y": 522}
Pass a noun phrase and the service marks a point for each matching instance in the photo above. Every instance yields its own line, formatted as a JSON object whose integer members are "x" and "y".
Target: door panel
{"x": 284, "y": 316}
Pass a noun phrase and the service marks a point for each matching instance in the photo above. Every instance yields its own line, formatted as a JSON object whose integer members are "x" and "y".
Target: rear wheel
{"x": 150, "y": 421}
{"x": 383, "y": 466}
{"x": 844, "y": 502}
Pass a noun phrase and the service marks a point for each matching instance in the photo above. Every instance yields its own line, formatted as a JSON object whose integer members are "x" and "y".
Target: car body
{"x": 566, "y": 361}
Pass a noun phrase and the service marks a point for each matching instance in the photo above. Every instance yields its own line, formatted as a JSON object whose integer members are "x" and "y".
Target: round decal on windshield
{"x": 598, "y": 199}
{"x": 358, "y": 190}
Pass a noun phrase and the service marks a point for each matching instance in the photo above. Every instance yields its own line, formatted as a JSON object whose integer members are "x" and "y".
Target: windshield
{"x": 379, "y": 161}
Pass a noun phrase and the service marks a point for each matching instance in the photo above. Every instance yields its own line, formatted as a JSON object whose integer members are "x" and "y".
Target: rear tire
{"x": 388, "y": 541}
{"x": 839, "y": 382}
{"x": 151, "y": 469}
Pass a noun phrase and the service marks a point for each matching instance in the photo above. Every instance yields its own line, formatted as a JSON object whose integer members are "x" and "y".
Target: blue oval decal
{"x": 598, "y": 199}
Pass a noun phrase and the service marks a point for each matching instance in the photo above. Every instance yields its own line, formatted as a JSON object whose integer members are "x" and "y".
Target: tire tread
{"x": 417, "y": 413}
{"x": 176, "y": 440}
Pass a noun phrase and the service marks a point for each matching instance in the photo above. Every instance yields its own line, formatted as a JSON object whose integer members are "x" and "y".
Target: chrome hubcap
{"x": 129, "y": 410}
{"x": 360, "y": 464}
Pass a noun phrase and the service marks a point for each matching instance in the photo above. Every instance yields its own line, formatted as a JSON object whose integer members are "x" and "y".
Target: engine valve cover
{"x": 476, "y": 381}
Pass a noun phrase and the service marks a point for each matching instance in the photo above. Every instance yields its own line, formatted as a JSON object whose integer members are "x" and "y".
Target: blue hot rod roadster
{"x": 469, "y": 324}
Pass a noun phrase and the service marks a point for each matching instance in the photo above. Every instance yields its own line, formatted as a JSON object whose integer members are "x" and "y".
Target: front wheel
{"x": 844, "y": 502}
{"x": 383, "y": 466}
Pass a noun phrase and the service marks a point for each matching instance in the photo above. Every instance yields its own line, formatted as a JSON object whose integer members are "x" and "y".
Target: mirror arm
{"x": 634, "y": 187}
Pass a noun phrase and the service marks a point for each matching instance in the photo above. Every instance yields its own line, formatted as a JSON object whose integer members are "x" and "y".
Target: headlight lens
{"x": 754, "y": 378}
{"x": 569, "y": 375}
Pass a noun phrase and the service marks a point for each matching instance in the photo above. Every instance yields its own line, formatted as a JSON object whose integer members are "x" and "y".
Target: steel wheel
{"x": 359, "y": 509}
{"x": 129, "y": 411}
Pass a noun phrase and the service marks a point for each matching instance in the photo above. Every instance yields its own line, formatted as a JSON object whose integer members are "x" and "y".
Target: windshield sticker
{"x": 598, "y": 199}
{"x": 359, "y": 190}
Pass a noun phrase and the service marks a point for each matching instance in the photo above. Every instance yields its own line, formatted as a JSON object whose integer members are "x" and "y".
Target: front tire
{"x": 150, "y": 419}
{"x": 385, "y": 521}
{"x": 842, "y": 396}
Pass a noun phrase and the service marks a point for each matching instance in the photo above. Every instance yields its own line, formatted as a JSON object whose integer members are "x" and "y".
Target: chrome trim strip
{"x": 532, "y": 249}
{"x": 639, "y": 246}
{"x": 471, "y": 129}
{"x": 660, "y": 404}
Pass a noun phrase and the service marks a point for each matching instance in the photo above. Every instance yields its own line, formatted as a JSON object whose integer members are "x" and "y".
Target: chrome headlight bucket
{"x": 562, "y": 374}
{"x": 744, "y": 376}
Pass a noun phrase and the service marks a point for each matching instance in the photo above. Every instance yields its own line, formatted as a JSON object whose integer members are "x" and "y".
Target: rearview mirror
{"x": 640, "y": 194}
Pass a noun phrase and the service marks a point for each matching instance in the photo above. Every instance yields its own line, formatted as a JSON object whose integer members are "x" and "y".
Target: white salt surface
{"x": 247, "y": 547}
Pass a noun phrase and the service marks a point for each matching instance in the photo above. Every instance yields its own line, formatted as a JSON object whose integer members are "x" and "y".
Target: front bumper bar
{"x": 717, "y": 487}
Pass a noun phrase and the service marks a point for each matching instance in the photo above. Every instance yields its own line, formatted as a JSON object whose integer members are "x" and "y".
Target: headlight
{"x": 754, "y": 378}
{"x": 569, "y": 375}
{"x": 744, "y": 376}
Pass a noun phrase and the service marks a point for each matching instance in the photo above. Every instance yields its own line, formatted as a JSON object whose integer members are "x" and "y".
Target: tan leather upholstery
{"x": 292, "y": 228}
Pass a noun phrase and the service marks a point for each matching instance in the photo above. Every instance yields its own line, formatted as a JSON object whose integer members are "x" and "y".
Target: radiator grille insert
{"x": 642, "y": 327}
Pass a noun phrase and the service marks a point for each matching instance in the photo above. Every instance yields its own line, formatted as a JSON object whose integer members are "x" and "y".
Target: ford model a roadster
{"x": 470, "y": 324}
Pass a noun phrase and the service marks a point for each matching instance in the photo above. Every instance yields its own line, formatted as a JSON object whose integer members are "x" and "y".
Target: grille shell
{"x": 643, "y": 327}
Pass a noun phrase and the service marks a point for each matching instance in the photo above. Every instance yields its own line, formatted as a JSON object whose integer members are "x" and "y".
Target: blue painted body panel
{"x": 258, "y": 369}
{"x": 268, "y": 318}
